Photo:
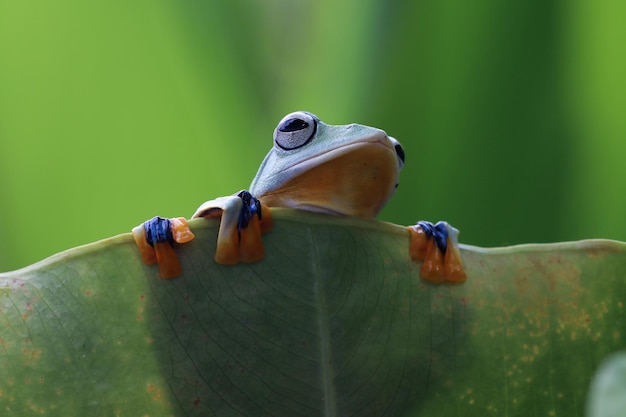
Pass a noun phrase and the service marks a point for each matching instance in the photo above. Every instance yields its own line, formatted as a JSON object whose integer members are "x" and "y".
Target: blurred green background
{"x": 511, "y": 113}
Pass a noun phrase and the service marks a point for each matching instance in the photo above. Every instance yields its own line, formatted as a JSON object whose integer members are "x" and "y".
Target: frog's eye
{"x": 295, "y": 130}
{"x": 399, "y": 151}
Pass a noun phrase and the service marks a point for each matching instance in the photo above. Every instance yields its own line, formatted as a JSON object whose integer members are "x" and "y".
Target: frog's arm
{"x": 243, "y": 219}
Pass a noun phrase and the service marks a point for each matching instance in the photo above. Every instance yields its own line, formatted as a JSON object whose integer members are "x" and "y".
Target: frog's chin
{"x": 356, "y": 180}
{"x": 317, "y": 209}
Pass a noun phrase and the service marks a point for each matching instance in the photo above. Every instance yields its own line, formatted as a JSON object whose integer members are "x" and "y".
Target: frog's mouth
{"x": 356, "y": 179}
{"x": 380, "y": 140}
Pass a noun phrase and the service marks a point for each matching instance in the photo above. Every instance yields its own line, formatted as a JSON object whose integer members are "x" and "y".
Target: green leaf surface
{"x": 334, "y": 322}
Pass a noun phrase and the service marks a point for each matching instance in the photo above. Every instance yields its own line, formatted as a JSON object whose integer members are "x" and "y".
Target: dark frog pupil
{"x": 293, "y": 125}
{"x": 400, "y": 152}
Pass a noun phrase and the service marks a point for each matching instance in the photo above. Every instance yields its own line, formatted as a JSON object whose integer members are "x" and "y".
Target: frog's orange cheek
{"x": 357, "y": 183}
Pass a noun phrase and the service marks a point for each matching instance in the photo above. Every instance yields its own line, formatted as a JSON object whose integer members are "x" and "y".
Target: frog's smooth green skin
{"x": 350, "y": 170}
{"x": 345, "y": 170}
{"x": 236, "y": 243}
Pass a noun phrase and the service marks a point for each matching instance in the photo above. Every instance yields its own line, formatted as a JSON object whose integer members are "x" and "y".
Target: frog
{"x": 339, "y": 170}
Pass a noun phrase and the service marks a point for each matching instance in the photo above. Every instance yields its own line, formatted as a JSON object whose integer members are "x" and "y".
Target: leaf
{"x": 334, "y": 322}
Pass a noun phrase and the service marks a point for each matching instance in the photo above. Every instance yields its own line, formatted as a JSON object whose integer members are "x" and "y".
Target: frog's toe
{"x": 251, "y": 244}
{"x": 155, "y": 238}
{"x": 227, "y": 249}
{"x": 453, "y": 264}
{"x": 181, "y": 233}
{"x": 243, "y": 220}
{"x": 148, "y": 255}
{"x": 169, "y": 266}
{"x": 436, "y": 245}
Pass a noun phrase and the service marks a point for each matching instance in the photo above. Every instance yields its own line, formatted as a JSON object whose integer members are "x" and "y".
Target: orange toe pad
{"x": 436, "y": 267}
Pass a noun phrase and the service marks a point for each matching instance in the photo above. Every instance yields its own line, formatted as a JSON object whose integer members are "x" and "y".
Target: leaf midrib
{"x": 326, "y": 361}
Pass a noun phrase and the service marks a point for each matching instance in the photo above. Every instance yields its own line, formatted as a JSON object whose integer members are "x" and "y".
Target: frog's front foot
{"x": 244, "y": 218}
{"x": 436, "y": 245}
{"x": 155, "y": 238}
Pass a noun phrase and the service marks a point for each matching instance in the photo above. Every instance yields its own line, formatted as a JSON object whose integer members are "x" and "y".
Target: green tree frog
{"x": 346, "y": 170}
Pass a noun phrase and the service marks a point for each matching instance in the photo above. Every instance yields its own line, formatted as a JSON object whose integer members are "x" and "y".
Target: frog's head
{"x": 349, "y": 169}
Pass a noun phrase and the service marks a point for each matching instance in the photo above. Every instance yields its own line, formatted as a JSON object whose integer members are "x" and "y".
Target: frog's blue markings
{"x": 439, "y": 231}
{"x": 158, "y": 230}
{"x": 251, "y": 206}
